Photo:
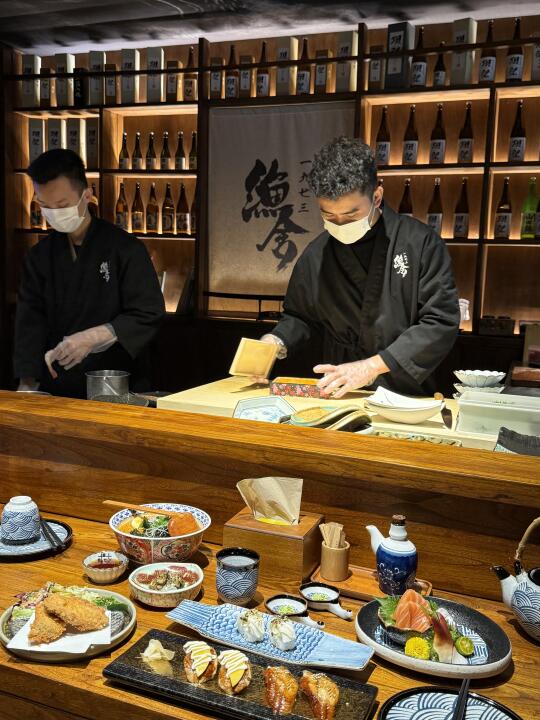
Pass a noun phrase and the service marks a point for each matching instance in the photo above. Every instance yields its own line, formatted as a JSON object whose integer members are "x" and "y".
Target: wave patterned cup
{"x": 143, "y": 550}
{"x": 237, "y": 575}
{"x": 20, "y": 521}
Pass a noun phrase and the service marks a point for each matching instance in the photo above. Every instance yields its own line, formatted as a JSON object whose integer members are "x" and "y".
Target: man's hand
{"x": 74, "y": 348}
{"x": 341, "y": 379}
{"x": 272, "y": 340}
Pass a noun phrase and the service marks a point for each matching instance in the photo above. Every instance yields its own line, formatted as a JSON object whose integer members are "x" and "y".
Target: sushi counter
{"x": 466, "y": 511}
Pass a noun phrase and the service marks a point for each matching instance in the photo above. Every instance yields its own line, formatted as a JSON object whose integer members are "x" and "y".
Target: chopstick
{"x": 143, "y": 508}
{"x": 51, "y": 536}
{"x": 461, "y": 703}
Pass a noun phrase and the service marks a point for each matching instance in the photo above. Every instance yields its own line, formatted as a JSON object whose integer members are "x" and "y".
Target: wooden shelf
{"x": 414, "y": 96}
{"x": 88, "y": 111}
{"x": 513, "y": 243}
{"x": 165, "y": 108}
{"x": 166, "y": 236}
{"x": 506, "y": 168}
{"x": 152, "y": 173}
{"x": 282, "y": 99}
{"x": 92, "y": 174}
{"x": 447, "y": 169}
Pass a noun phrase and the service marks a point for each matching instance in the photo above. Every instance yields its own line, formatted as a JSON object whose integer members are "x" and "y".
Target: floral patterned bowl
{"x": 143, "y": 550}
{"x": 165, "y": 598}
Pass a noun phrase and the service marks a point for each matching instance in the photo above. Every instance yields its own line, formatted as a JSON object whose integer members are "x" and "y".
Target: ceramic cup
{"x": 237, "y": 575}
{"x": 20, "y": 521}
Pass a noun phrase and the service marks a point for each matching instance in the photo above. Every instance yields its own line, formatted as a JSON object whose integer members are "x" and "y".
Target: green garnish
{"x": 111, "y": 603}
{"x": 319, "y": 597}
{"x": 286, "y": 610}
{"x": 464, "y": 646}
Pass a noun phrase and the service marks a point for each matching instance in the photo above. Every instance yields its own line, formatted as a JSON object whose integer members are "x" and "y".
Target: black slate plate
{"x": 437, "y": 702}
{"x": 41, "y": 548}
{"x": 356, "y": 698}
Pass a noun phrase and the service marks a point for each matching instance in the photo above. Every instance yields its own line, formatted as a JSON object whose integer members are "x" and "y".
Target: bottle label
{"x": 439, "y": 78}
{"x": 192, "y": 223}
{"x": 410, "y": 152}
{"x": 434, "y": 220}
{"x": 136, "y": 221}
{"x": 487, "y": 69}
{"x": 167, "y": 220}
{"x": 45, "y": 90}
{"x": 110, "y": 87}
{"x": 231, "y": 86}
{"x": 535, "y": 68}
{"x": 123, "y": 163}
{"x": 516, "y": 151}
{"x": 396, "y": 43}
{"x": 461, "y": 225}
{"x": 262, "y": 84}
{"x": 437, "y": 150}
{"x": 465, "y": 150}
{"x": 418, "y": 73}
{"x": 182, "y": 222}
{"x": 164, "y": 163}
{"x": 382, "y": 153}
{"x": 121, "y": 220}
{"x": 245, "y": 80}
{"x": 215, "y": 82}
{"x": 192, "y": 162}
{"x": 190, "y": 89}
{"x": 172, "y": 85}
{"x": 180, "y": 163}
{"x": 375, "y": 67}
{"x": 137, "y": 163}
{"x": 302, "y": 82}
{"x": 502, "y": 225}
{"x": 514, "y": 67}
{"x": 151, "y": 222}
{"x": 537, "y": 231}
{"x": 320, "y": 76}
{"x": 528, "y": 224}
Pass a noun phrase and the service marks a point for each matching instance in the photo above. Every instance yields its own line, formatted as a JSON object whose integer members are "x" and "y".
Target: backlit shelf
{"x": 171, "y": 174}
{"x": 426, "y": 169}
{"x": 415, "y": 96}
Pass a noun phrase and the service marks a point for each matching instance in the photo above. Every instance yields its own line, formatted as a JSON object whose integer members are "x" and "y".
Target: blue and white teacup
{"x": 237, "y": 575}
{"x": 20, "y": 521}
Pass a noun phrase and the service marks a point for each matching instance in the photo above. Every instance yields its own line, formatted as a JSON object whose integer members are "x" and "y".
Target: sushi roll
{"x": 250, "y": 625}
{"x": 234, "y": 673}
{"x": 282, "y": 633}
{"x": 200, "y": 662}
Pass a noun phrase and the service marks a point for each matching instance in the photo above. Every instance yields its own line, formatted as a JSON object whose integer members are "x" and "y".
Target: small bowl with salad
{"x": 165, "y": 585}
{"x": 154, "y": 536}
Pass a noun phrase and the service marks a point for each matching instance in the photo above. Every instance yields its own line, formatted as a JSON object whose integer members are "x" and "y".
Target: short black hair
{"x": 341, "y": 167}
{"x": 58, "y": 163}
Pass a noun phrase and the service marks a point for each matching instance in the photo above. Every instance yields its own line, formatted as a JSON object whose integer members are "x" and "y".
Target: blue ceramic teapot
{"x": 396, "y": 557}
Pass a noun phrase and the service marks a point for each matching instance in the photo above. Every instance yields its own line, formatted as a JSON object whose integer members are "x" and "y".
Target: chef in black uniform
{"x": 376, "y": 285}
{"x": 89, "y": 298}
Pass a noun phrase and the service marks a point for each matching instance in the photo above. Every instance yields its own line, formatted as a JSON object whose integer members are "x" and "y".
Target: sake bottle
{"x": 183, "y": 223}
{"x": 180, "y": 162}
{"x": 419, "y": 62}
{"x": 405, "y": 206}
{"x": 36, "y": 218}
{"x": 435, "y": 210}
{"x": 503, "y": 214}
{"x": 437, "y": 145}
{"x": 151, "y": 157}
{"x": 461, "y": 214}
{"x": 528, "y": 213}
{"x": 303, "y": 77}
{"x": 121, "y": 213}
{"x": 93, "y": 205}
{"x": 439, "y": 72}
{"x": 465, "y": 142}
{"x": 193, "y": 152}
{"x": 514, "y": 58}
{"x": 518, "y": 138}
{"x": 232, "y": 76}
{"x": 193, "y": 213}
{"x": 537, "y": 224}
{"x": 123, "y": 158}
{"x": 137, "y": 211}
{"x": 165, "y": 157}
{"x": 137, "y": 158}
{"x": 152, "y": 211}
{"x": 263, "y": 75}
{"x": 382, "y": 147}
{"x": 167, "y": 212}
{"x": 190, "y": 79}
{"x": 488, "y": 60}
{"x": 410, "y": 140}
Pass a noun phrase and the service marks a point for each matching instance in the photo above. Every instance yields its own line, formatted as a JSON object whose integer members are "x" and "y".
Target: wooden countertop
{"x": 221, "y": 397}
{"x": 78, "y": 690}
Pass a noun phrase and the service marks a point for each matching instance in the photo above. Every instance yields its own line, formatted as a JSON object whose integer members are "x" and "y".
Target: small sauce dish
{"x": 105, "y": 567}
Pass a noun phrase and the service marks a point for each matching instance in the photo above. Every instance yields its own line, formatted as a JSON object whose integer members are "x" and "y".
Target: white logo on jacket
{"x": 104, "y": 271}
{"x": 401, "y": 264}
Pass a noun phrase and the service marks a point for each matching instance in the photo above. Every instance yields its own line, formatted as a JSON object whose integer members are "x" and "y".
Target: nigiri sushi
{"x": 281, "y": 689}
{"x": 282, "y": 633}
{"x": 200, "y": 662}
{"x": 250, "y": 625}
{"x": 234, "y": 673}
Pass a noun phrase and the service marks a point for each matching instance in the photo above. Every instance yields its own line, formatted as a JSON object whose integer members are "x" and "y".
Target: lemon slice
{"x": 236, "y": 676}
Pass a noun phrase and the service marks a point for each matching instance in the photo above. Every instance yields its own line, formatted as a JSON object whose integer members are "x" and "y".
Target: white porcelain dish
{"x": 406, "y": 416}
{"x": 464, "y": 388}
{"x": 103, "y": 576}
{"x": 388, "y": 399}
{"x": 264, "y": 409}
{"x": 479, "y": 378}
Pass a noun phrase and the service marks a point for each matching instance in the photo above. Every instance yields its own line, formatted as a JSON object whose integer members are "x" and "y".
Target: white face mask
{"x": 64, "y": 220}
{"x": 351, "y": 232}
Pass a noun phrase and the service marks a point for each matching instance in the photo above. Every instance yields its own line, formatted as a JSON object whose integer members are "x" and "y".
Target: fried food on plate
{"x": 45, "y": 628}
{"x": 80, "y": 614}
{"x": 281, "y": 689}
{"x": 235, "y": 672}
{"x": 322, "y": 694}
{"x": 200, "y": 662}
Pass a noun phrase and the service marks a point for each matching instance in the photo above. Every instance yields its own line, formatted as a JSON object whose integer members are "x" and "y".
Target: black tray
{"x": 356, "y": 698}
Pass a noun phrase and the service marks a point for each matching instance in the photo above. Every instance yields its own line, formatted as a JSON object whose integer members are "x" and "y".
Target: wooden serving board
{"x": 362, "y": 583}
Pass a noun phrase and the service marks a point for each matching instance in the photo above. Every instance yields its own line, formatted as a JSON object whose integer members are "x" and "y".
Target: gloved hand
{"x": 340, "y": 379}
{"x": 282, "y": 353}
{"x": 74, "y": 348}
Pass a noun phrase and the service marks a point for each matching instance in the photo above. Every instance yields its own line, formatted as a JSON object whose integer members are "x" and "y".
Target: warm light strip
{"x": 427, "y": 96}
{"x": 412, "y": 170}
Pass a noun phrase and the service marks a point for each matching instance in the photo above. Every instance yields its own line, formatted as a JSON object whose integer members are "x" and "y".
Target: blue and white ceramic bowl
{"x": 20, "y": 521}
{"x": 237, "y": 575}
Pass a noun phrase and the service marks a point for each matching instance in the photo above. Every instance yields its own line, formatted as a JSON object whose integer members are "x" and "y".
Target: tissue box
{"x": 289, "y": 553}
{"x": 295, "y": 387}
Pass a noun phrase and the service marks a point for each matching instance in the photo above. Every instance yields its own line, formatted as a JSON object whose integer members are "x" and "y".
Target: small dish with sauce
{"x": 105, "y": 567}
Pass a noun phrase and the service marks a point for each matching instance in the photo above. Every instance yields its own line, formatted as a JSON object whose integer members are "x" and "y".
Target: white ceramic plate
{"x": 479, "y": 378}
{"x": 386, "y": 398}
{"x": 59, "y": 657}
{"x": 264, "y": 409}
{"x": 464, "y": 388}
{"x": 405, "y": 416}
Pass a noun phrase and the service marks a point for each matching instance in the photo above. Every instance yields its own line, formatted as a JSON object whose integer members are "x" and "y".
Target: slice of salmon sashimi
{"x": 411, "y": 614}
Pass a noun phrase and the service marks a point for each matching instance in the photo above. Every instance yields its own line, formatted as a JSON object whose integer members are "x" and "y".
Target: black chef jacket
{"x": 405, "y": 307}
{"x": 112, "y": 280}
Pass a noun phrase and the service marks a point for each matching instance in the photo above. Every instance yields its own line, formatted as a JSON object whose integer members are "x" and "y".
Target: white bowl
{"x": 479, "y": 378}
{"x": 411, "y": 416}
{"x": 168, "y": 598}
{"x": 104, "y": 576}
{"x": 464, "y": 388}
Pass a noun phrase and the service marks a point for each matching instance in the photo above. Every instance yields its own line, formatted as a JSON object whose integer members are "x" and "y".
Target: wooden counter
{"x": 466, "y": 508}
{"x": 37, "y": 691}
